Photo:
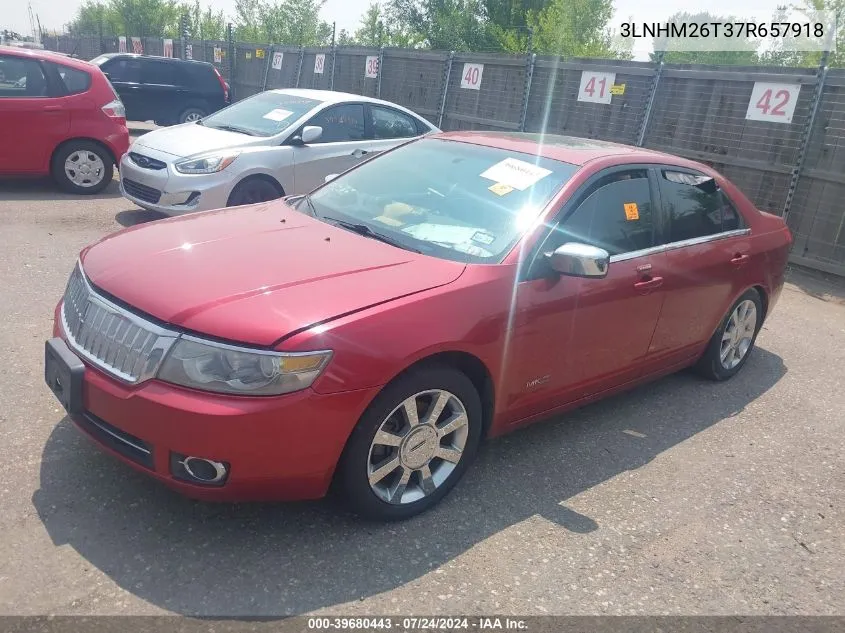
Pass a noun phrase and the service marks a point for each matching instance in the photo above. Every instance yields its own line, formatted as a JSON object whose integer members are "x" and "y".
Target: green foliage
{"x": 458, "y": 25}
{"x": 206, "y": 25}
{"x": 291, "y": 22}
{"x": 575, "y": 28}
{"x": 371, "y": 31}
{"x": 746, "y": 57}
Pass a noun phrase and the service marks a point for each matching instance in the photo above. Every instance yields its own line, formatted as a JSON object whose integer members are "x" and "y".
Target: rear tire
{"x": 191, "y": 115}
{"x": 364, "y": 476}
{"x": 82, "y": 167}
{"x": 252, "y": 191}
{"x": 733, "y": 341}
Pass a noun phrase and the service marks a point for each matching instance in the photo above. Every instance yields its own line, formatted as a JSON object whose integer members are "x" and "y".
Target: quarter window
{"x": 124, "y": 70}
{"x": 389, "y": 123}
{"x": 75, "y": 80}
{"x": 695, "y": 206}
{"x": 616, "y": 216}
{"x": 340, "y": 123}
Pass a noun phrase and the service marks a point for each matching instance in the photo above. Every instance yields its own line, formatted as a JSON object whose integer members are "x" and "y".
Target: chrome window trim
{"x": 671, "y": 246}
{"x": 164, "y": 338}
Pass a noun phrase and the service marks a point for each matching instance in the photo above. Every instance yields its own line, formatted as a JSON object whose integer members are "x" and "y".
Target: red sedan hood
{"x": 254, "y": 274}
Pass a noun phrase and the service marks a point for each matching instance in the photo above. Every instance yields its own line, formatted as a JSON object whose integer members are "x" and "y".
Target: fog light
{"x": 198, "y": 470}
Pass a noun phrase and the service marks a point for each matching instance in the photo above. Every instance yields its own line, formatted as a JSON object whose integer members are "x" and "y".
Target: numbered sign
{"x": 319, "y": 64}
{"x": 121, "y": 44}
{"x": 218, "y": 54}
{"x": 371, "y": 67}
{"x": 773, "y": 102}
{"x": 189, "y": 51}
{"x": 137, "y": 46}
{"x": 471, "y": 77}
{"x": 249, "y": 54}
{"x": 168, "y": 48}
{"x": 277, "y": 60}
{"x": 595, "y": 87}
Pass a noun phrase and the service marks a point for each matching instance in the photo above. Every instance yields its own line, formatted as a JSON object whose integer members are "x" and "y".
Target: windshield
{"x": 264, "y": 114}
{"x": 452, "y": 200}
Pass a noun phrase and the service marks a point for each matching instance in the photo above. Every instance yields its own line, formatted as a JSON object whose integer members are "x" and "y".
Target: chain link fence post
{"x": 531, "y": 59}
{"x": 231, "y": 54}
{"x": 334, "y": 55}
{"x": 447, "y": 74}
{"x": 380, "y": 64}
{"x": 658, "y": 73}
{"x": 267, "y": 67}
{"x": 806, "y": 133}
{"x": 299, "y": 65}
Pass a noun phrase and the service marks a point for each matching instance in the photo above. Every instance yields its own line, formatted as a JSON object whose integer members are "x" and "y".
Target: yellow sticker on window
{"x": 631, "y": 211}
{"x": 500, "y": 189}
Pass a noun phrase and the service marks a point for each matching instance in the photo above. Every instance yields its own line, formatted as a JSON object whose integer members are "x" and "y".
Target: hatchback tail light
{"x": 223, "y": 85}
{"x": 115, "y": 110}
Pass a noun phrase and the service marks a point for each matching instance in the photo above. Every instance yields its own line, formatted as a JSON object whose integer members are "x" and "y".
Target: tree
{"x": 575, "y": 28}
{"x": 206, "y": 25}
{"x": 371, "y": 31}
{"x": 747, "y": 56}
{"x": 293, "y": 22}
{"x": 345, "y": 39}
{"x": 459, "y": 25}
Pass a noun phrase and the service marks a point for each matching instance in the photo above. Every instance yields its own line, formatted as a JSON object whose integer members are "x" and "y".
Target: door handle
{"x": 358, "y": 153}
{"x": 649, "y": 284}
{"x": 740, "y": 260}
{"x": 52, "y": 108}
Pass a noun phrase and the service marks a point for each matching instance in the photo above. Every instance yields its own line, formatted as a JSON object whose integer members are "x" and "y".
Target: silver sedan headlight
{"x": 206, "y": 164}
{"x": 211, "y": 366}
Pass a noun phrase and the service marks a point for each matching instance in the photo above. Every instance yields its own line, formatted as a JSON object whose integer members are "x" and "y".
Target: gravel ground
{"x": 681, "y": 497}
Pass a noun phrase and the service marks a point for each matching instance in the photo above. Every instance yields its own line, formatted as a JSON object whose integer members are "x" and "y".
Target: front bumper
{"x": 169, "y": 192}
{"x": 276, "y": 448}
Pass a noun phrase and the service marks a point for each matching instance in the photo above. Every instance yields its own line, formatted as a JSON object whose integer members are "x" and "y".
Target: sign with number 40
{"x": 773, "y": 102}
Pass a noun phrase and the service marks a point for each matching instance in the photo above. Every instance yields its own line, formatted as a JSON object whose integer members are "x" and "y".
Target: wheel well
{"x": 76, "y": 140}
{"x": 474, "y": 369}
{"x": 264, "y": 177}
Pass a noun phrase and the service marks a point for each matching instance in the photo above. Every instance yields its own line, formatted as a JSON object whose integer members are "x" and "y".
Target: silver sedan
{"x": 275, "y": 143}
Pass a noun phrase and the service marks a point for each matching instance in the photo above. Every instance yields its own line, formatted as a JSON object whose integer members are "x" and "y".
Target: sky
{"x": 347, "y": 13}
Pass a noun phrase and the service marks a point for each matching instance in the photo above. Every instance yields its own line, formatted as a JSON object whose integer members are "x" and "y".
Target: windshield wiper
{"x": 366, "y": 231}
{"x": 307, "y": 199}
{"x": 232, "y": 128}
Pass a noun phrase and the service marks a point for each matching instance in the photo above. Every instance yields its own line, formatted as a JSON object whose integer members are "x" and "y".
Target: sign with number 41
{"x": 595, "y": 87}
{"x": 773, "y": 102}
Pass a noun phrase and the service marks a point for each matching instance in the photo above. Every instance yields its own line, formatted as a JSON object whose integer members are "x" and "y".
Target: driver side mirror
{"x": 579, "y": 260}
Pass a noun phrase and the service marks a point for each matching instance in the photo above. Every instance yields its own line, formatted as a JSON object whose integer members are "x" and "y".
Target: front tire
{"x": 83, "y": 167}
{"x": 252, "y": 191}
{"x": 412, "y": 445}
{"x": 734, "y": 340}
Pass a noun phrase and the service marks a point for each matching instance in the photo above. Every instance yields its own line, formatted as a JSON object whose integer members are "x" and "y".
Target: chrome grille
{"x": 110, "y": 337}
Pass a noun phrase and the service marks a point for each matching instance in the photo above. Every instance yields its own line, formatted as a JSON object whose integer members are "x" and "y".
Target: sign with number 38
{"x": 773, "y": 102}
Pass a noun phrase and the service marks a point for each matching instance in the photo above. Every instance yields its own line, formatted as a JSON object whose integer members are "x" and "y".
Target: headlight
{"x": 208, "y": 164}
{"x": 227, "y": 369}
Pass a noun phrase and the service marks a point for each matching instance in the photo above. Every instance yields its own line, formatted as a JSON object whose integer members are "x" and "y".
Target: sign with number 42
{"x": 595, "y": 87}
{"x": 773, "y": 102}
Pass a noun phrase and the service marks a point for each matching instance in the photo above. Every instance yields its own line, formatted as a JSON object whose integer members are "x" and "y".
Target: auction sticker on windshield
{"x": 516, "y": 173}
{"x": 278, "y": 114}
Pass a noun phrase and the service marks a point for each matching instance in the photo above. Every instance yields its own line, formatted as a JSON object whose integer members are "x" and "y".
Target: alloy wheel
{"x": 417, "y": 446}
{"x": 738, "y": 334}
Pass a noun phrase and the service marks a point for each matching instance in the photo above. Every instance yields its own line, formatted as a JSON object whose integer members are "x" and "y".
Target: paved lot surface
{"x": 680, "y": 497}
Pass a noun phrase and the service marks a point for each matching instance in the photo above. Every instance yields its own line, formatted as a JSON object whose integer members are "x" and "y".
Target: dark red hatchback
{"x": 372, "y": 333}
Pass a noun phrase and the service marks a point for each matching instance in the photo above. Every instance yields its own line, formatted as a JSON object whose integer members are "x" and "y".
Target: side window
{"x": 156, "y": 72}
{"x": 21, "y": 78}
{"x": 615, "y": 216}
{"x": 389, "y": 123}
{"x": 695, "y": 207}
{"x": 340, "y": 123}
{"x": 123, "y": 70}
{"x": 74, "y": 80}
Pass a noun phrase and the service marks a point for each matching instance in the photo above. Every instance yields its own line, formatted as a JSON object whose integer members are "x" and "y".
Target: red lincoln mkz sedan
{"x": 372, "y": 333}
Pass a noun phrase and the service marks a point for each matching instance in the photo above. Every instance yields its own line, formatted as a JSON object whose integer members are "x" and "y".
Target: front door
{"x": 32, "y": 122}
{"x": 125, "y": 75}
{"x": 343, "y": 144}
{"x": 573, "y": 337}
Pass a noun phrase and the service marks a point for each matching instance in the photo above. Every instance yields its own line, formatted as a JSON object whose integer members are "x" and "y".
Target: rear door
{"x": 708, "y": 250}
{"x": 390, "y": 127}
{"x": 162, "y": 96}
{"x": 32, "y": 120}
{"x": 343, "y": 144}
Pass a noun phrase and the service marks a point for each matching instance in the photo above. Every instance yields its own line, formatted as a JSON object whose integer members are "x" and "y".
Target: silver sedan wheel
{"x": 417, "y": 447}
{"x": 192, "y": 117}
{"x": 738, "y": 335}
{"x": 84, "y": 168}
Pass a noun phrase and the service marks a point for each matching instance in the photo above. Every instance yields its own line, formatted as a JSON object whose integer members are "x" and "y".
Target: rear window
{"x": 201, "y": 76}
{"x": 75, "y": 80}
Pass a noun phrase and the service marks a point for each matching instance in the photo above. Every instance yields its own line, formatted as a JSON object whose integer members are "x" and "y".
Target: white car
{"x": 275, "y": 143}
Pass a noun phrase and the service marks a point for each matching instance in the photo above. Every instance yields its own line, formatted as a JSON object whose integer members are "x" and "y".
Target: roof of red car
{"x": 569, "y": 149}
{"x": 40, "y": 53}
